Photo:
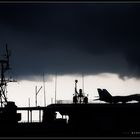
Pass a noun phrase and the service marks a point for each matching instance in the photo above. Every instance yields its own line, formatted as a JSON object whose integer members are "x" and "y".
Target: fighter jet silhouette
{"x": 105, "y": 96}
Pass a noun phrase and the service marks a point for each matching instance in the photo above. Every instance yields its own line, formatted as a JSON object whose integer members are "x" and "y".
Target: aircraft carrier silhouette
{"x": 78, "y": 119}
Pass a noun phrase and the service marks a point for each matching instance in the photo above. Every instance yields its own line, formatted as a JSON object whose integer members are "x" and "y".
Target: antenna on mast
{"x": 29, "y": 102}
{"x": 36, "y": 93}
{"x": 55, "y": 86}
{"x": 44, "y": 90}
{"x": 83, "y": 82}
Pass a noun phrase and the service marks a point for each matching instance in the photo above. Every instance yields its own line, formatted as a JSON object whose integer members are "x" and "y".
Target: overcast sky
{"x": 99, "y": 40}
{"x": 69, "y": 38}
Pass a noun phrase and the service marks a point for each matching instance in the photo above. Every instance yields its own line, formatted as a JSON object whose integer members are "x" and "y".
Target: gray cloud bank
{"x": 72, "y": 38}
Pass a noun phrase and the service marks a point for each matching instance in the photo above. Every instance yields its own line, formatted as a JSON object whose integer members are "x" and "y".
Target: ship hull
{"x": 81, "y": 120}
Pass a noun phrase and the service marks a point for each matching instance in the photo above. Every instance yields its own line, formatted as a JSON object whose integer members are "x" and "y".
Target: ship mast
{"x": 4, "y": 63}
{"x": 55, "y": 87}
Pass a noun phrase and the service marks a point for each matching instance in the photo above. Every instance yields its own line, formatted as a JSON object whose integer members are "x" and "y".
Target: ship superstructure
{"x": 8, "y": 109}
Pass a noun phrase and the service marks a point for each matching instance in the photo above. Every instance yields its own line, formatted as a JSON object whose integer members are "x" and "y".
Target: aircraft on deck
{"x": 105, "y": 96}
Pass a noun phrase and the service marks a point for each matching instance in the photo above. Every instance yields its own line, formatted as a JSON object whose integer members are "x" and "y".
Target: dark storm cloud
{"x": 72, "y": 38}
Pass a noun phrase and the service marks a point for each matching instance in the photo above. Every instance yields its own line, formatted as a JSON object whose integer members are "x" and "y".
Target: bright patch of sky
{"x": 21, "y": 91}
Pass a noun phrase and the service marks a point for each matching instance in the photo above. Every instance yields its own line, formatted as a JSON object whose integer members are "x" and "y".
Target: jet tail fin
{"x": 104, "y": 94}
{"x": 107, "y": 93}
{"x": 100, "y": 92}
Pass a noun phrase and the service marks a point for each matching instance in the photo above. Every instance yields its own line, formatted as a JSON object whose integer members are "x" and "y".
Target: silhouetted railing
{"x": 70, "y": 101}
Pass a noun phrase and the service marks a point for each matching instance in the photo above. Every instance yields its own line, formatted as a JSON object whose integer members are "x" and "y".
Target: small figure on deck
{"x": 75, "y": 96}
{"x": 75, "y": 100}
{"x": 79, "y": 97}
{"x": 85, "y": 99}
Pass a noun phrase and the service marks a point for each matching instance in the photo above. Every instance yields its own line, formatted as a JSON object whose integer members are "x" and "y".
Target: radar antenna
{"x": 4, "y": 66}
